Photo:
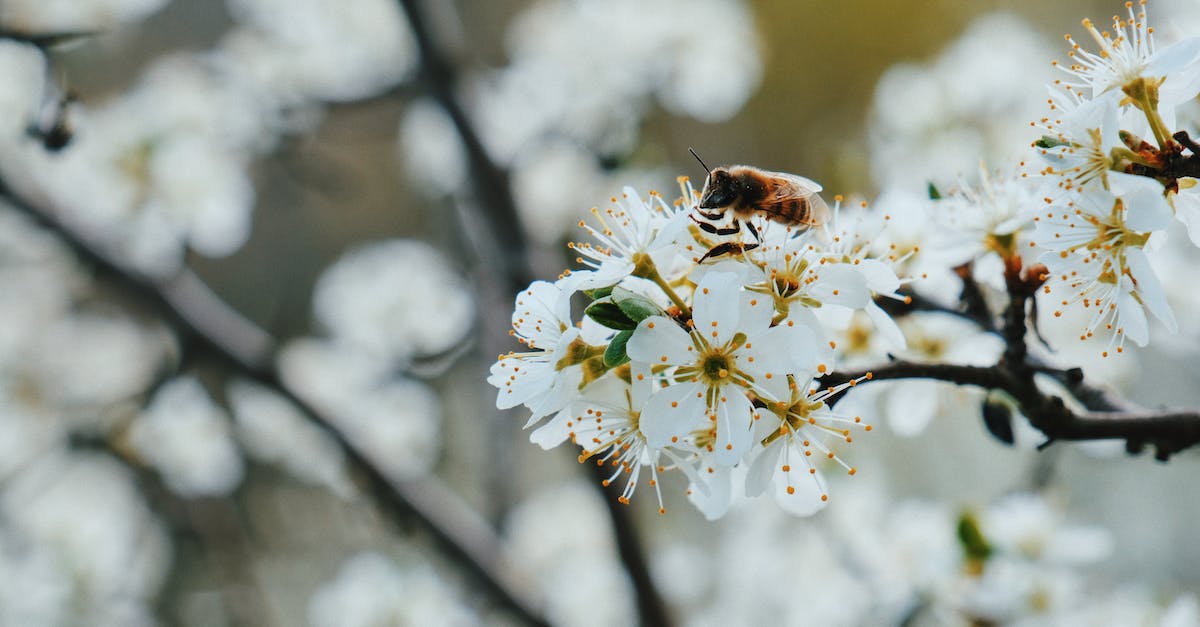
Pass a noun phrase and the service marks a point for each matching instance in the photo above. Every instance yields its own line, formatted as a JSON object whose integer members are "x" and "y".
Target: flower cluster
{"x": 1119, "y": 171}
{"x": 703, "y": 365}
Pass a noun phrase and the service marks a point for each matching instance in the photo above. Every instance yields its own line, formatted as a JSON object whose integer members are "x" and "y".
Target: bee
{"x": 744, "y": 192}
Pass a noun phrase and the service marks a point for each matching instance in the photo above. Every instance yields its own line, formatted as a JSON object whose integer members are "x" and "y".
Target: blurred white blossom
{"x": 311, "y": 49}
{"x": 371, "y": 589}
{"x": 431, "y": 151}
{"x": 58, "y": 16}
{"x": 93, "y": 549}
{"x": 936, "y": 121}
{"x": 394, "y": 421}
{"x": 273, "y": 430}
{"x": 398, "y": 299}
{"x": 185, "y": 436}
{"x": 564, "y": 541}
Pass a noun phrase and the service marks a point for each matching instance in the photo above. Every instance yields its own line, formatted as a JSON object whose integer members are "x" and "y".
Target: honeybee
{"x": 744, "y": 192}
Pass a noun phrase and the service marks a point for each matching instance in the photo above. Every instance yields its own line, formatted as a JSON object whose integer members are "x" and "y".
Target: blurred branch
{"x": 45, "y": 40}
{"x": 489, "y": 180}
{"x": 493, "y": 194}
{"x": 198, "y": 315}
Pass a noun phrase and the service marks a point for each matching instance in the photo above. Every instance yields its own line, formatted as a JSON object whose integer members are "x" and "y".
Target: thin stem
{"x": 1149, "y": 107}
{"x": 666, "y": 288}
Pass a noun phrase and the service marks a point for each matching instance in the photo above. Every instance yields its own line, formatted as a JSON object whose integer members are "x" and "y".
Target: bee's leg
{"x": 711, "y": 216}
{"x": 754, "y": 231}
{"x": 727, "y": 248}
{"x": 715, "y": 230}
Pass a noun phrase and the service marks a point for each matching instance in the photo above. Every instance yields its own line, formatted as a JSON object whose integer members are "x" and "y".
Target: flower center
{"x": 717, "y": 366}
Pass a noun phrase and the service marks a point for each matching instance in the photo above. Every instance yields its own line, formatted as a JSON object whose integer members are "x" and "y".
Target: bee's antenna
{"x": 706, "y": 168}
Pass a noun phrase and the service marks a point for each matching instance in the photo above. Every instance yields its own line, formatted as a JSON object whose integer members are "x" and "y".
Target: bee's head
{"x": 718, "y": 190}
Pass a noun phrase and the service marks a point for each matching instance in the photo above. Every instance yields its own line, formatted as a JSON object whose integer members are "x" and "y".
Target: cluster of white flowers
{"x": 164, "y": 166}
{"x": 1018, "y": 561}
{"x": 371, "y": 589}
{"x": 1119, "y": 170}
{"x": 703, "y": 366}
{"x": 702, "y": 349}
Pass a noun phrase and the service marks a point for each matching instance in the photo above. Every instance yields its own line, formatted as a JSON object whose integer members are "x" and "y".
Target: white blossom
{"x": 371, "y": 589}
{"x": 396, "y": 298}
{"x": 187, "y": 438}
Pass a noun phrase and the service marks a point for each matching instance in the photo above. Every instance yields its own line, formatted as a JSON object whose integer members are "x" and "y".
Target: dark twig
{"x": 197, "y": 315}
{"x": 45, "y": 40}
{"x": 493, "y": 194}
{"x": 490, "y": 181}
{"x": 1169, "y": 430}
{"x": 974, "y": 304}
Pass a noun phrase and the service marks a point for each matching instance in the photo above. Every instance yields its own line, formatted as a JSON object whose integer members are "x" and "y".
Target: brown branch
{"x": 493, "y": 194}
{"x": 1168, "y": 430}
{"x": 197, "y": 315}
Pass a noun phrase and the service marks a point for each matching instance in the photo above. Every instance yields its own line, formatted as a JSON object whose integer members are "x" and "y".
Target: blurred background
{"x": 298, "y": 158}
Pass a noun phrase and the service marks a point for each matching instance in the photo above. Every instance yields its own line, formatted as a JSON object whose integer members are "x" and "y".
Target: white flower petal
{"x": 886, "y": 327}
{"x": 784, "y": 349}
{"x": 1145, "y": 207}
{"x": 911, "y": 405}
{"x": 713, "y": 500}
{"x": 733, "y": 425}
{"x": 756, "y": 312}
{"x": 841, "y": 284}
{"x": 658, "y": 340}
{"x": 715, "y": 306}
{"x": 1187, "y": 208}
{"x": 540, "y": 314}
{"x": 1132, "y": 317}
{"x": 805, "y": 499}
{"x": 1150, "y": 289}
{"x": 762, "y": 468}
{"x": 880, "y": 276}
{"x": 554, "y": 432}
{"x": 672, "y": 412}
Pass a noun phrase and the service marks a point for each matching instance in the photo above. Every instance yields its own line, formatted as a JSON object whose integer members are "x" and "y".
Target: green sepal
{"x": 616, "y": 355}
{"x": 578, "y": 352}
{"x": 593, "y": 369}
{"x": 609, "y": 314}
{"x": 934, "y": 194}
{"x": 600, "y": 292}
{"x": 635, "y": 306}
{"x": 975, "y": 547}
{"x": 1049, "y": 141}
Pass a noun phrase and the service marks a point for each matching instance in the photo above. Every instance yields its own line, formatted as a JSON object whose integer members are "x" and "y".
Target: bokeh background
{"x": 315, "y": 183}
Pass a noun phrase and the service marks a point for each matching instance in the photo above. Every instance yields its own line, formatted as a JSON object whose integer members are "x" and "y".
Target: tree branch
{"x": 493, "y": 195}
{"x": 196, "y": 314}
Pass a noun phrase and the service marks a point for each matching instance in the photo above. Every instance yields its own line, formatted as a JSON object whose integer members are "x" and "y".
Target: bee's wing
{"x": 802, "y": 186}
{"x": 791, "y": 187}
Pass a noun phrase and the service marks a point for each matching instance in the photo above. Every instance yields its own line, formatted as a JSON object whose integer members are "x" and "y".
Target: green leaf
{"x": 934, "y": 194}
{"x": 635, "y": 306}
{"x": 600, "y": 292}
{"x": 616, "y": 355}
{"x": 608, "y": 314}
